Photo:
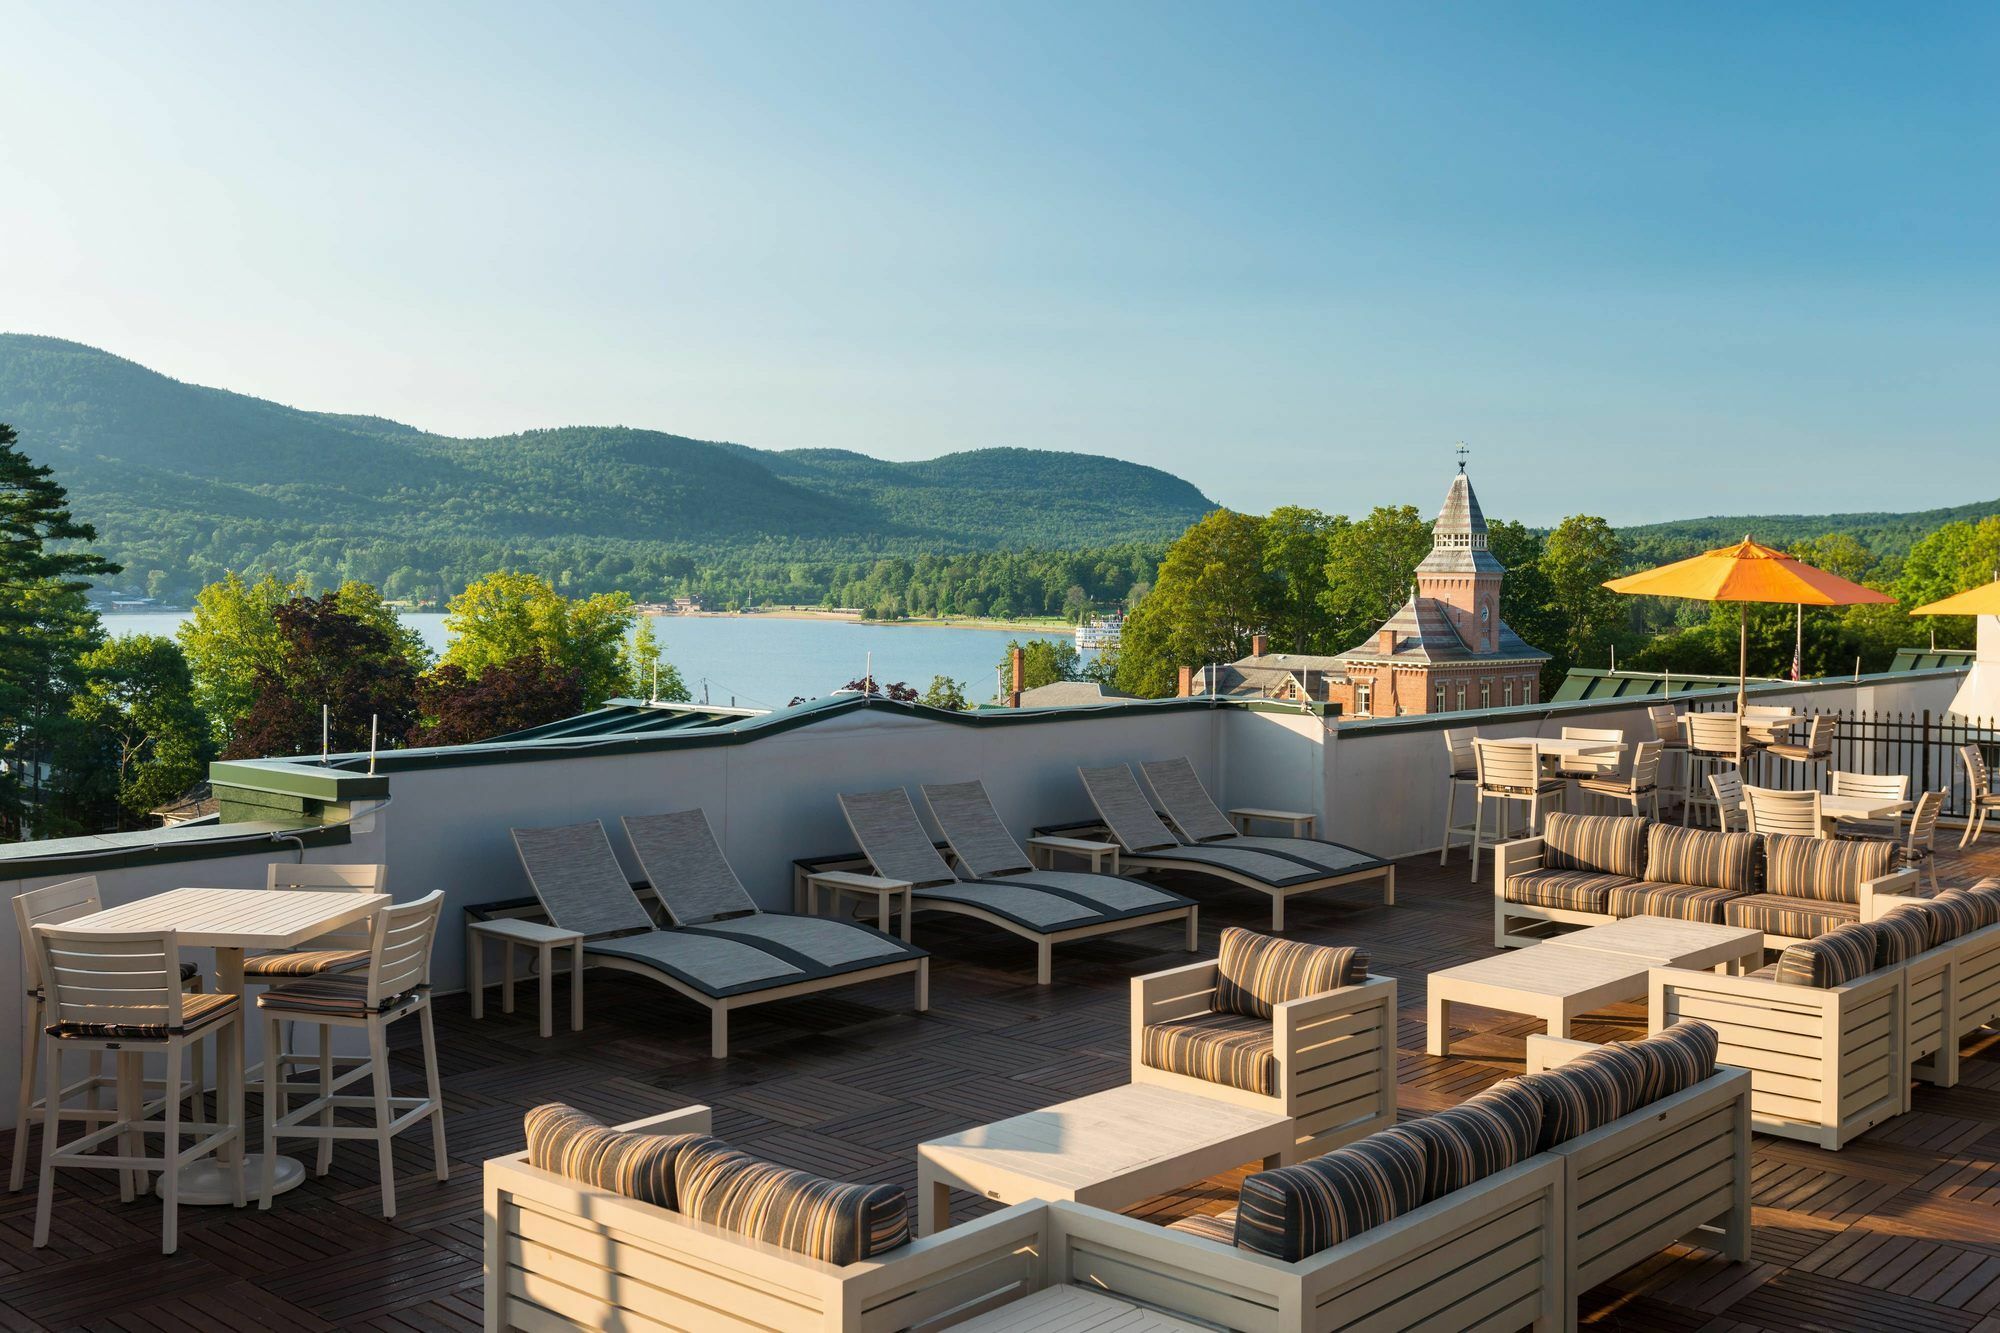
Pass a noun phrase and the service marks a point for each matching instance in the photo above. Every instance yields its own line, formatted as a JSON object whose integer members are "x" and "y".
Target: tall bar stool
{"x": 1921, "y": 849}
{"x": 395, "y": 985}
{"x": 54, "y": 906}
{"x": 1816, "y": 748}
{"x": 1715, "y": 745}
{"x": 1791, "y": 813}
{"x": 1672, "y": 736}
{"x": 1638, "y": 789}
{"x": 1510, "y": 772}
{"x": 1464, "y": 774}
{"x": 1728, "y": 789}
{"x": 146, "y": 1012}
{"x": 1579, "y": 767}
{"x": 1980, "y": 798}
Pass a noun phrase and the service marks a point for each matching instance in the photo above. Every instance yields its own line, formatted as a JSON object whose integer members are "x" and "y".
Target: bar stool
{"x": 1715, "y": 745}
{"x": 1729, "y": 811}
{"x": 1816, "y": 748}
{"x": 1510, "y": 771}
{"x": 1921, "y": 849}
{"x": 1980, "y": 798}
{"x": 54, "y": 906}
{"x": 1638, "y": 788}
{"x": 1877, "y": 786}
{"x": 1790, "y": 813}
{"x": 1672, "y": 736}
{"x": 1464, "y": 773}
{"x": 395, "y": 985}
{"x": 147, "y": 1012}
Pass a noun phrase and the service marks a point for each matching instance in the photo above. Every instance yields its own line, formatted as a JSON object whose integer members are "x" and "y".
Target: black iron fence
{"x": 1926, "y": 747}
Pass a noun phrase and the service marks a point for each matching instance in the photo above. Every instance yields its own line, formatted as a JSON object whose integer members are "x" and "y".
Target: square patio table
{"x": 1547, "y": 981}
{"x": 232, "y": 921}
{"x": 1665, "y": 942}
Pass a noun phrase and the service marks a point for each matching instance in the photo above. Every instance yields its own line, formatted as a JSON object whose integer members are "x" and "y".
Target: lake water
{"x": 762, "y": 661}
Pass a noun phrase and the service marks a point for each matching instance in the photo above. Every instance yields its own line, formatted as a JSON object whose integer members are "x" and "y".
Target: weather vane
{"x": 1462, "y": 452}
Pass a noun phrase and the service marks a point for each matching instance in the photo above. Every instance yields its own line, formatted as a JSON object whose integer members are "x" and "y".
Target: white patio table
{"x": 232, "y": 921}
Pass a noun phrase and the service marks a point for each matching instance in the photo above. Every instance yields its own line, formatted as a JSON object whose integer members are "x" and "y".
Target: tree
{"x": 1043, "y": 662}
{"x": 46, "y": 626}
{"x": 1955, "y": 558}
{"x": 1295, "y": 558}
{"x": 327, "y": 657}
{"x": 1576, "y": 560}
{"x": 895, "y": 691}
{"x": 1370, "y": 566}
{"x": 648, "y": 673}
{"x": 139, "y": 739}
{"x": 461, "y": 709}
{"x": 1212, "y": 591}
{"x": 946, "y": 693}
{"x": 510, "y": 615}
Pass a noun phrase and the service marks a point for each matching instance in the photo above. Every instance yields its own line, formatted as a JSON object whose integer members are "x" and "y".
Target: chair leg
{"x": 24, "y": 1106}
{"x": 1450, "y": 810}
{"x": 170, "y": 1155}
{"x": 1478, "y": 833}
{"x": 435, "y": 1094}
{"x": 378, "y": 1077}
{"x": 229, "y": 1056}
{"x": 274, "y": 1111}
{"x": 718, "y": 1033}
{"x": 198, "y": 1089}
{"x": 323, "y": 1160}
{"x": 131, "y": 1099}
{"x": 45, "y": 1194}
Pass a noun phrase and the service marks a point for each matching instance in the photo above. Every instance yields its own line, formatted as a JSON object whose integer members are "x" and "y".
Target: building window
{"x": 1485, "y": 694}
{"x": 1461, "y": 696}
{"x": 1440, "y": 699}
{"x": 1507, "y": 693}
{"x": 1361, "y": 700}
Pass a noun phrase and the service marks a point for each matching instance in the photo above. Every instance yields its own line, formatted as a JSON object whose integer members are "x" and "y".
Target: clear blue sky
{"x": 1648, "y": 261}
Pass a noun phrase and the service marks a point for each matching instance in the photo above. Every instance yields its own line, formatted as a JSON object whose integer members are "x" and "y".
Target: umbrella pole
{"x": 1742, "y": 658}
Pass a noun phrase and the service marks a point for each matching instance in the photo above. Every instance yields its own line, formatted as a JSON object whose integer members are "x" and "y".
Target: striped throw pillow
{"x": 1257, "y": 973}
{"x": 1609, "y": 844}
{"x": 1483, "y": 1134}
{"x": 1827, "y": 870}
{"x": 824, "y": 1219}
{"x": 1904, "y": 933}
{"x": 1676, "y": 1058}
{"x": 570, "y": 1143}
{"x": 1296, "y": 1211}
{"x": 1700, "y": 857}
{"x": 1592, "y": 1090}
{"x": 1833, "y": 959}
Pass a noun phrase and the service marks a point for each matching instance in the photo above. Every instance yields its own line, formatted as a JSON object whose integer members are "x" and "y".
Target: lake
{"x": 763, "y": 661}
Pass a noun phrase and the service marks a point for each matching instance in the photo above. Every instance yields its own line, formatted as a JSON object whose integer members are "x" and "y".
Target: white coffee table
{"x": 1110, "y": 1150}
{"x": 1663, "y": 942}
{"x": 1551, "y": 982}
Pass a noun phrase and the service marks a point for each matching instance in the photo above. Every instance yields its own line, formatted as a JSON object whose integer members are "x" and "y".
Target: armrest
{"x": 1021, "y": 1230}
{"x": 687, "y": 1120}
{"x": 1889, "y": 891}
{"x": 1546, "y": 1052}
{"x": 1067, "y": 844}
{"x": 1177, "y": 992}
{"x": 1298, "y": 819}
{"x": 1346, "y": 1000}
{"x": 1516, "y": 857}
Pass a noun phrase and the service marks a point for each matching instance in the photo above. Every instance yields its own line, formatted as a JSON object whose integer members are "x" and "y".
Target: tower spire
{"x": 1462, "y": 452}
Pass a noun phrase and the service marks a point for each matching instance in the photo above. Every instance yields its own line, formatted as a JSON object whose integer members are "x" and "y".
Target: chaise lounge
{"x": 724, "y": 957}
{"x": 1148, "y": 844}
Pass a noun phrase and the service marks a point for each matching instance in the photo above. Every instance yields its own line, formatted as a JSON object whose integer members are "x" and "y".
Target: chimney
{"x": 1385, "y": 642}
{"x": 1185, "y": 688}
{"x": 1260, "y": 644}
{"x": 1020, "y": 677}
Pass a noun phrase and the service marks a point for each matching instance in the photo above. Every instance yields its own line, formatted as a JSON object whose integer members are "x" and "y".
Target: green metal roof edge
{"x": 300, "y": 777}
{"x": 112, "y": 851}
{"x": 743, "y": 732}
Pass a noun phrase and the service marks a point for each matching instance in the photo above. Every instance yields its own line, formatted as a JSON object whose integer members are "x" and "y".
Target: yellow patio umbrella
{"x": 1747, "y": 573}
{"x": 1976, "y": 602}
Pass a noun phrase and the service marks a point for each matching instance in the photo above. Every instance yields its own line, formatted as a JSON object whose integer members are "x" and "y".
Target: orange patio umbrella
{"x": 1747, "y": 573}
{"x": 1976, "y": 602}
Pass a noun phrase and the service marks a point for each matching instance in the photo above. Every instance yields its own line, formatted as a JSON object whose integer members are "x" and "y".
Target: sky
{"x": 1644, "y": 261}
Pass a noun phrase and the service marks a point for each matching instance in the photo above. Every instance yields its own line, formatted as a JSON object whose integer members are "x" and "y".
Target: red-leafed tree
{"x": 328, "y": 657}
{"x": 461, "y": 709}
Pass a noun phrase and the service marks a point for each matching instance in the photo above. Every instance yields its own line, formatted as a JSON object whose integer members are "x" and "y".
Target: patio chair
{"x": 1048, "y": 907}
{"x": 54, "y": 905}
{"x": 1795, "y": 813}
{"x": 1715, "y": 745}
{"x": 1590, "y": 765}
{"x": 1464, "y": 775}
{"x": 1728, "y": 791}
{"x": 148, "y": 1012}
{"x": 1762, "y": 724}
{"x": 1638, "y": 789}
{"x": 395, "y": 984}
{"x": 1920, "y": 849}
{"x": 1884, "y": 786}
{"x": 1981, "y": 800}
{"x": 1148, "y": 844}
{"x": 1672, "y": 736}
{"x": 1816, "y": 748}
{"x": 1200, "y": 821}
{"x": 1510, "y": 773}
{"x": 577, "y": 877}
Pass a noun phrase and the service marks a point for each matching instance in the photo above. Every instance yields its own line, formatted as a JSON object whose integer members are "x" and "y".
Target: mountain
{"x": 1886, "y": 534}
{"x": 184, "y": 482}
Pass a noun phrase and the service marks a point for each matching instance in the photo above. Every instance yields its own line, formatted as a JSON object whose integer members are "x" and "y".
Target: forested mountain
{"x": 185, "y": 482}
{"x": 1888, "y": 536}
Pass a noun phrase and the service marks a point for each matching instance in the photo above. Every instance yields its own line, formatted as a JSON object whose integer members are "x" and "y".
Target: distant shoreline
{"x": 1053, "y": 628}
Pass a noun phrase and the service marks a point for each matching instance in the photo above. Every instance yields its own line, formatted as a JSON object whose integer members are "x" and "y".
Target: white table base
{"x": 206, "y": 1183}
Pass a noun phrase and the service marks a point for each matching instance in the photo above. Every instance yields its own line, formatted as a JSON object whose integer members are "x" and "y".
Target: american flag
{"x": 1796, "y": 673}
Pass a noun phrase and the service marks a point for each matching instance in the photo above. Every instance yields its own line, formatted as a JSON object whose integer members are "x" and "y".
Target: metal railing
{"x": 1924, "y": 746}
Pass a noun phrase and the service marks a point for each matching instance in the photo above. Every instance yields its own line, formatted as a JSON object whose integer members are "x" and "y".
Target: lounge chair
{"x": 725, "y": 963}
{"x": 1188, "y": 804}
{"x": 1305, "y": 866}
{"x": 1049, "y": 907}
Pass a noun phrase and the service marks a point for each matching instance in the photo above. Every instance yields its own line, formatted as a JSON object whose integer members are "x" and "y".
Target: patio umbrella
{"x": 1746, "y": 573}
{"x": 1977, "y": 602}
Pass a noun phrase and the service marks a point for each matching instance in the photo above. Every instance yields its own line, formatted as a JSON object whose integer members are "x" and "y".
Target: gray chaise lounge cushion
{"x": 1130, "y": 817}
{"x": 684, "y": 863}
{"x": 1191, "y": 808}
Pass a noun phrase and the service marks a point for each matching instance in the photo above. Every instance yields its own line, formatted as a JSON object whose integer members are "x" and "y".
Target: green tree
{"x": 1212, "y": 592}
{"x": 1043, "y": 662}
{"x": 140, "y": 740}
{"x": 1955, "y": 558}
{"x": 46, "y": 625}
{"x": 944, "y": 692}
{"x": 648, "y": 673}
{"x": 1295, "y": 543}
{"x": 1371, "y": 566}
{"x": 1576, "y": 560}
{"x": 509, "y": 615}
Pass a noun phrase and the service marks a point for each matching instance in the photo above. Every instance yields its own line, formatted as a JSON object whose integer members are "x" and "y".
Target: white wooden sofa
{"x": 1953, "y": 987}
{"x": 1335, "y": 1051}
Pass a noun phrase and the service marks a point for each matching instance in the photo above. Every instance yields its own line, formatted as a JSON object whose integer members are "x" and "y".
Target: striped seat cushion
{"x": 327, "y": 993}
{"x": 1676, "y": 1058}
{"x": 1592, "y": 1090}
{"x": 305, "y": 963}
{"x": 1832, "y": 959}
{"x": 1827, "y": 870}
{"x": 1612, "y": 844}
{"x": 1954, "y": 913}
{"x": 1904, "y": 933}
{"x": 828, "y": 1220}
{"x": 196, "y": 1010}
{"x": 1699, "y": 856}
{"x": 570, "y": 1143}
{"x": 1680, "y": 902}
{"x": 1234, "y": 1050}
{"x": 1209, "y": 1226}
{"x": 1566, "y": 890}
{"x": 1295, "y": 1211}
{"x": 1798, "y": 918}
{"x": 1483, "y": 1134}
{"x": 1256, "y": 973}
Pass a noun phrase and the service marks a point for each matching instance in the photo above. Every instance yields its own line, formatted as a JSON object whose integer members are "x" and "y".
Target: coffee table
{"x": 1552, "y": 982}
{"x": 1664, "y": 942}
{"x": 1110, "y": 1150}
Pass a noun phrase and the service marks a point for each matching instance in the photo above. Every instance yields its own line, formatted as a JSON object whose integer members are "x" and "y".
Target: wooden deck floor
{"x": 1900, "y": 1231}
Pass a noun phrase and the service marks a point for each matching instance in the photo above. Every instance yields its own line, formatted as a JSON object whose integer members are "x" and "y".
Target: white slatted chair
{"x": 120, "y": 992}
{"x": 1591, "y": 765}
{"x": 1510, "y": 773}
{"x": 1795, "y": 813}
{"x": 340, "y": 950}
{"x": 1715, "y": 745}
{"x": 1464, "y": 776}
{"x": 1980, "y": 798}
{"x": 1883, "y": 786}
{"x": 1728, "y": 791}
{"x": 54, "y": 906}
{"x": 1760, "y": 724}
{"x": 394, "y": 985}
{"x": 1672, "y": 736}
{"x": 1639, "y": 789}
{"x": 1920, "y": 850}
{"x": 1816, "y": 748}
